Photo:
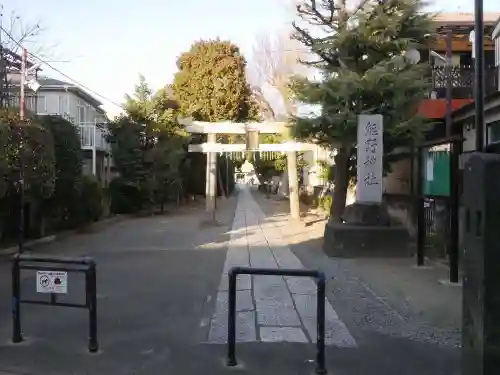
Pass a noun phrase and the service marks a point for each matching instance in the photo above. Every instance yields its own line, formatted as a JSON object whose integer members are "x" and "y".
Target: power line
{"x": 95, "y": 92}
{"x": 62, "y": 73}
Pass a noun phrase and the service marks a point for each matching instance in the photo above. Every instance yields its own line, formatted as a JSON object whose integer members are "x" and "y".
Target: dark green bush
{"x": 63, "y": 207}
{"x": 226, "y": 169}
{"x": 91, "y": 200}
{"x": 125, "y": 198}
{"x": 194, "y": 177}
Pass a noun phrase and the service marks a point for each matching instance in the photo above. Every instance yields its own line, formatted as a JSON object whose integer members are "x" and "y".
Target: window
{"x": 30, "y": 102}
{"x": 62, "y": 105}
{"x": 466, "y": 59}
{"x": 81, "y": 114}
{"x": 494, "y": 132}
{"x": 42, "y": 104}
{"x": 497, "y": 50}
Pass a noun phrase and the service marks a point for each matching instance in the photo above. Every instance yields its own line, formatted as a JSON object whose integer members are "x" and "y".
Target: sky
{"x": 106, "y": 44}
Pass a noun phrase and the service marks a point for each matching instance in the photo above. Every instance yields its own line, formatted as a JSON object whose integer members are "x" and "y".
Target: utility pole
{"x": 455, "y": 150}
{"x": 478, "y": 73}
{"x": 3, "y": 66}
{"x": 24, "y": 58}
{"x": 94, "y": 152}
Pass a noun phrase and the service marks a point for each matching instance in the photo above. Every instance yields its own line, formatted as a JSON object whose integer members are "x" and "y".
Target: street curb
{"x": 64, "y": 234}
{"x": 13, "y": 249}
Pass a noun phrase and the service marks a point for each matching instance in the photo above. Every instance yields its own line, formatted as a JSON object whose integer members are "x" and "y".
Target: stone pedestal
{"x": 366, "y": 231}
{"x": 366, "y": 214}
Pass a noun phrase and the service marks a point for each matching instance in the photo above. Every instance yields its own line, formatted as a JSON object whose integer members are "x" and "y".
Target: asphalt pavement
{"x": 162, "y": 295}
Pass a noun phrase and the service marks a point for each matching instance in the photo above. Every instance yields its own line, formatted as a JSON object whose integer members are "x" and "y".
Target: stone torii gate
{"x": 251, "y": 130}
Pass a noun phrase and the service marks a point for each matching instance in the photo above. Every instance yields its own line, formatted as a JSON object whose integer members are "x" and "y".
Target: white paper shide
{"x": 369, "y": 159}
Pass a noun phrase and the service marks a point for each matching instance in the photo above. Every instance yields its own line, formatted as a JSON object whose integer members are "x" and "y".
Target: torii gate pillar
{"x": 293, "y": 184}
{"x": 211, "y": 180}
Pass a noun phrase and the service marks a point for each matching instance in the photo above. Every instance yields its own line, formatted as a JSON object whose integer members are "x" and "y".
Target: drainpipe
{"x": 94, "y": 156}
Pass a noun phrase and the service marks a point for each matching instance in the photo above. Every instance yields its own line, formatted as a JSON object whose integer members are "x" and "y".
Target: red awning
{"x": 436, "y": 108}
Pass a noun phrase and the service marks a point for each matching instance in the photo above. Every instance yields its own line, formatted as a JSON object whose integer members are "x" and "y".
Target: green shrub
{"x": 125, "y": 198}
{"x": 63, "y": 207}
{"x": 325, "y": 203}
{"x": 195, "y": 175}
{"x": 225, "y": 169}
{"x": 91, "y": 200}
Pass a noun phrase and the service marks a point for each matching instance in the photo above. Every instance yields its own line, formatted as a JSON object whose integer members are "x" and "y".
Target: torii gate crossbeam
{"x": 211, "y": 148}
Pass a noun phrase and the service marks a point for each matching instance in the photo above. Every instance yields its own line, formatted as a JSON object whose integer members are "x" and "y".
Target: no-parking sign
{"x": 52, "y": 282}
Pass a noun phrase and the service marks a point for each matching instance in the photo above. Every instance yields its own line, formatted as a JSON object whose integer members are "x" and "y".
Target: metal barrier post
{"x": 16, "y": 301}
{"x": 320, "y": 321}
{"x": 231, "y": 319}
{"x": 420, "y": 210}
{"x": 92, "y": 302}
{"x": 49, "y": 265}
{"x": 320, "y": 314}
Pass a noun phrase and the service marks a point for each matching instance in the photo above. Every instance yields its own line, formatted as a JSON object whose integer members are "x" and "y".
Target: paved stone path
{"x": 269, "y": 308}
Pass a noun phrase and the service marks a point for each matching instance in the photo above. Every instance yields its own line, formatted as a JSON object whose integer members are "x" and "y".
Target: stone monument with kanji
{"x": 366, "y": 227}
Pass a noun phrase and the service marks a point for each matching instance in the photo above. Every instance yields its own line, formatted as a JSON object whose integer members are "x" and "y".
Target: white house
{"x": 496, "y": 37}
{"x": 56, "y": 97}
{"x": 464, "y": 117}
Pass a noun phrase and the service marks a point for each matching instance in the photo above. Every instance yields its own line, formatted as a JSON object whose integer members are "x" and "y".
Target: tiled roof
{"x": 461, "y": 17}
{"x": 45, "y": 81}
{"x": 50, "y": 83}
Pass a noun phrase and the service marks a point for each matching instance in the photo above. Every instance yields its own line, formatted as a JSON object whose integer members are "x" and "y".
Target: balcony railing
{"x": 462, "y": 81}
{"x": 87, "y": 137}
{"x": 86, "y": 131}
{"x": 65, "y": 116}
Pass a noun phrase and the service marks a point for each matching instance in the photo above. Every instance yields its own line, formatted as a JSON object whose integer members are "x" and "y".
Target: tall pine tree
{"x": 364, "y": 71}
{"x": 148, "y": 147}
{"x": 211, "y": 84}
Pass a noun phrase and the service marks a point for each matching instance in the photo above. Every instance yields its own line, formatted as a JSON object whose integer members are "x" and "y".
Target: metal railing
{"x": 462, "y": 81}
{"x": 86, "y": 131}
{"x": 320, "y": 312}
{"x": 52, "y": 267}
{"x": 437, "y": 224}
{"x": 64, "y": 115}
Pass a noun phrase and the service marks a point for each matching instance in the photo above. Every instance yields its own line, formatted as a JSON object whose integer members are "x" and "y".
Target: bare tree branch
{"x": 325, "y": 15}
{"x": 274, "y": 61}
{"x": 265, "y": 107}
{"x": 27, "y": 34}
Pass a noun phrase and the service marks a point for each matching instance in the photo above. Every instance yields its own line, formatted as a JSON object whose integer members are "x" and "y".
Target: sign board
{"x": 369, "y": 159}
{"x": 52, "y": 282}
